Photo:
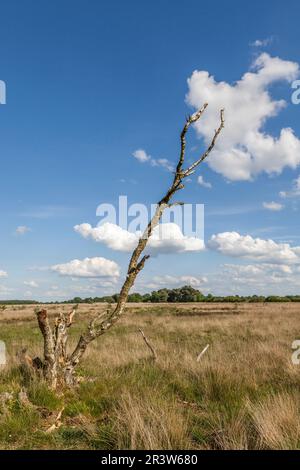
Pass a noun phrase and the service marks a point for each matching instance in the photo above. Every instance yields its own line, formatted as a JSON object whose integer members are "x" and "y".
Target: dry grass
{"x": 243, "y": 394}
{"x": 276, "y": 420}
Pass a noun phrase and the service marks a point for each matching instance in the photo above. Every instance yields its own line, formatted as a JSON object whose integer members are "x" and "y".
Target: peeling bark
{"x": 55, "y": 358}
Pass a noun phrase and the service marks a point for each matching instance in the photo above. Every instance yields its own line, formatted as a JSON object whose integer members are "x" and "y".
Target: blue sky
{"x": 89, "y": 83}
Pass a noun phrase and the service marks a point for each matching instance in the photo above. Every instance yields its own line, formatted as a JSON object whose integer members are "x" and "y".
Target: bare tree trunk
{"x": 49, "y": 363}
{"x": 55, "y": 348}
{"x": 58, "y": 366}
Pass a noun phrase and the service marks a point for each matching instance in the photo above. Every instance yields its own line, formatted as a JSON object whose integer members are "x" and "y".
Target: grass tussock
{"x": 243, "y": 394}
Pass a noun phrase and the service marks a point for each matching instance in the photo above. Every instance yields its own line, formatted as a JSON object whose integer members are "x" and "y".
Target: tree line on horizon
{"x": 182, "y": 294}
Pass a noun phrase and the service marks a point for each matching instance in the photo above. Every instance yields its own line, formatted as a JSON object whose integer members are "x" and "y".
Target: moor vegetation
{"x": 244, "y": 392}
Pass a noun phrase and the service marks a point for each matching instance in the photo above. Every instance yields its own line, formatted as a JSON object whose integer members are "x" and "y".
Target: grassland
{"x": 243, "y": 394}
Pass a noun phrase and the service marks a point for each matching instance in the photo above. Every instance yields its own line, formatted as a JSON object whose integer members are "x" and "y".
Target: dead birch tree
{"x": 58, "y": 366}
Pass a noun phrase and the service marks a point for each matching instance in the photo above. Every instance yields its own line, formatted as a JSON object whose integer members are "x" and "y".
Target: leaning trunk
{"x": 59, "y": 368}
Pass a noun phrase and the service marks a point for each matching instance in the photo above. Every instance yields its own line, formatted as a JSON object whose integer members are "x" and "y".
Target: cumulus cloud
{"x": 3, "y": 273}
{"x": 142, "y": 156}
{"x": 22, "y": 229}
{"x": 243, "y": 279}
{"x": 273, "y": 206}
{"x": 252, "y": 271}
{"x": 264, "y": 279}
{"x": 110, "y": 235}
{"x": 88, "y": 267}
{"x": 166, "y": 238}
{"x": 204, "y": 183}
{"x": 244, "y": 149}
{"x": 257, "y": 278}
{"x": 244, "y": 246}
{"x": 32, "y": 284}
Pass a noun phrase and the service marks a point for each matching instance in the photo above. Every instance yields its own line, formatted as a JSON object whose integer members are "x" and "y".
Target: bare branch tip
{"x": 222, "y": 114}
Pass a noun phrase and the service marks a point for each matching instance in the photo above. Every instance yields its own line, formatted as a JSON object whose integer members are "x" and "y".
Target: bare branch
{"x": 191, "y": 168}
{"x": 202, "y": 353}
{"x": 71, "y": 316}
{"x": 141, "y": 264}
{"x": 190, "y": 120}
{"x": 57, "y": 423}
{"x": 172, "y": 204}
{"x": 154, "y": 355}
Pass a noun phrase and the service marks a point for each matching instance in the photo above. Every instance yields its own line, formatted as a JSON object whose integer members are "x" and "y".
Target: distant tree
{"x": 187, "y": 294}
{"x": 135, "y": 297}
{"x": 275, "y": 298}
{"x": 146, "y": 298}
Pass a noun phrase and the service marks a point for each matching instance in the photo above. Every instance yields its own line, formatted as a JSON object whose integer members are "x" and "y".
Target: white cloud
{"x": 231, "y": 279}
{"x": 166, "y": 238}
{"x": 63, "y": 294}
{"x": 295, "y": 191}
{"x": 3, "y": 273}
{"x": 252, "y": 271}
{"x": 262, "y": 279}
{"x": 4, "y": 290}
{"x": 273, "y": 206}
{"x": 142, "y": 156}
{"x": 203, "y": 183}
{"x": 32, "y": 284}
{"x": 236, "y": 245}
{"x": 110, "y": 235}
{"x": 250, "y": 279}
{"x": 88, "y": 267}
{"x": 22, "y": 229}
{"x": 175, "y": 281}
{"x": 28, "y": 294}
{"x": 262, "y": 42}
{"x": 164, "y": 163}
{"x": 82, "y": 287}
{"x": 244, "y": 149}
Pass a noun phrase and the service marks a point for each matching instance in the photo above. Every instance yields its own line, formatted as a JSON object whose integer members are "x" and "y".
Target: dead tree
{"x": 55, "y": 347}
{"x": 58, "y": 366}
